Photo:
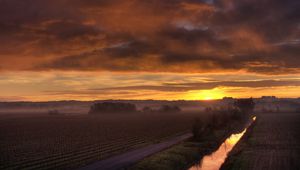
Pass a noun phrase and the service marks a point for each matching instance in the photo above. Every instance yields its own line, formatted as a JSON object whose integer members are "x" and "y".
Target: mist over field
{"x": 264, "y": 104}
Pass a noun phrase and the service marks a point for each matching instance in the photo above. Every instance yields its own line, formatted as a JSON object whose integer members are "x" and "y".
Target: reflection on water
{"x": 216, "y": 159}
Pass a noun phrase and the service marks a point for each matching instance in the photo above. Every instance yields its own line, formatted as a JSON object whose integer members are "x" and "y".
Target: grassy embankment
{"x": 273, "y": 143}
{"x": 191, "y": 151}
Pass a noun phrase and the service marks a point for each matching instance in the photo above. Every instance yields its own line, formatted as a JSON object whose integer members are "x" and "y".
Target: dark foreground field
{"x": 273, "y": 143}
{"x": 64, "y": 142}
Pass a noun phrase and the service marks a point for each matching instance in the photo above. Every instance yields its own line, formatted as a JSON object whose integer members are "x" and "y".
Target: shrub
{"x": 110, "y": 107}
{"x": 53, "y": 112}
{"x": 246, "y": 106}
{"x": 197, "y": 129}
{"x": 147, "y": 109}
{"x": 168, "y": 109}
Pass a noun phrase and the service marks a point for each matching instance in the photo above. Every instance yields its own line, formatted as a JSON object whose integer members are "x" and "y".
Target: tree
{"x": 147, "y": 109}
{"x": 110, "y": 107}
{"x": 197, "y": 128}
{"x": 208, "y": 110}
{"x": 168, "y": 109}
{"x": 246, "y": 106}
{"x": 53, "y": 112}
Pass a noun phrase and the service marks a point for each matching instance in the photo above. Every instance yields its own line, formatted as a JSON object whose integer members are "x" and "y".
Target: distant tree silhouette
{"x": 147, "y": 109}
{"x": 53, "y": 112}
{"x": 110, "y": 107}
{"x": 208, "y": 110}
{"x": 298, "y": 109}
{"x": 202, "y": 128}
{"x": 168, "y": 109}
{"x": 197, "y": 129}
{"x": 246, "y": 106}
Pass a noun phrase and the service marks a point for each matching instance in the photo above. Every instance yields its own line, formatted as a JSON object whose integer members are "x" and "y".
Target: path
{"x": 126, "y": 159}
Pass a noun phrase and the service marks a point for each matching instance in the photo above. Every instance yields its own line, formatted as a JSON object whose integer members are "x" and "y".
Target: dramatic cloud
{"x": 148, "y": 49}
{"x": 154, "y": 36}
{"x": 207, "y": 85}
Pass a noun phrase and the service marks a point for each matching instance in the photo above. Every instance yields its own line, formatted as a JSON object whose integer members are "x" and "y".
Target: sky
{"x": 148, "y": 49}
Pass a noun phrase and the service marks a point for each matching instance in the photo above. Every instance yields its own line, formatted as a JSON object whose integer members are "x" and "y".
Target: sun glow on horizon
{"x": 213, "y": 94}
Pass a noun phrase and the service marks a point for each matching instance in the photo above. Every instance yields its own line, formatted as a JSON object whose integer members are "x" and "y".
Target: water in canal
{"x": 217, "y": 158}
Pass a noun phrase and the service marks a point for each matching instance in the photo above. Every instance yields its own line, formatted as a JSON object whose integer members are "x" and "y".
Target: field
{"x": 272, "y": 143}
{"x": 70, "y": 141}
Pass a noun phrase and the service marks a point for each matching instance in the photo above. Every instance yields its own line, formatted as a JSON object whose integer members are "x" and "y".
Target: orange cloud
{"x": 152, "y": 36}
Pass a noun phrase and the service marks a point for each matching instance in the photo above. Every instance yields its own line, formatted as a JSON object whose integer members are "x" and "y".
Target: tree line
{"x": 241, "y": 110}
{"x": 120, "y": 107}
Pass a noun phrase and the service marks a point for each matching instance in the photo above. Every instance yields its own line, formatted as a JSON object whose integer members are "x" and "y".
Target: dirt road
{"x": 272, "y": 144}
{"x": 126, "y": 159}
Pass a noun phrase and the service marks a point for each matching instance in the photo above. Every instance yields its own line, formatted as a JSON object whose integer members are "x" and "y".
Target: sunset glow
{"x": 120, "y": 49}
{"x": 57, "y": 85}
{"x": 206, "y": 94}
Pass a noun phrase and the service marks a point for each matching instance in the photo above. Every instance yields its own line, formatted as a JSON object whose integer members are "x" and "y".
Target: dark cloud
{"x": 66, "y": 30}
{"x": 154, "y": 36}
{"x": 183, "y": 87}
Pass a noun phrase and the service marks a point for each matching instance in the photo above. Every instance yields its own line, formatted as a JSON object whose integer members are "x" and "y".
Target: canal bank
{"x": 215, "y": 160}
{"x": 272, "y": 144}
{"x": 189, "y": 153}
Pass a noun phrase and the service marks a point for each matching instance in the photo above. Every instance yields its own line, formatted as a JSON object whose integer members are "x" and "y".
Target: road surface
{"x": 129, "y": 158}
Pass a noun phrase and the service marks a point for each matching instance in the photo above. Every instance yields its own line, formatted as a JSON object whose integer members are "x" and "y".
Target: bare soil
{"x": 66, "y": 142}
